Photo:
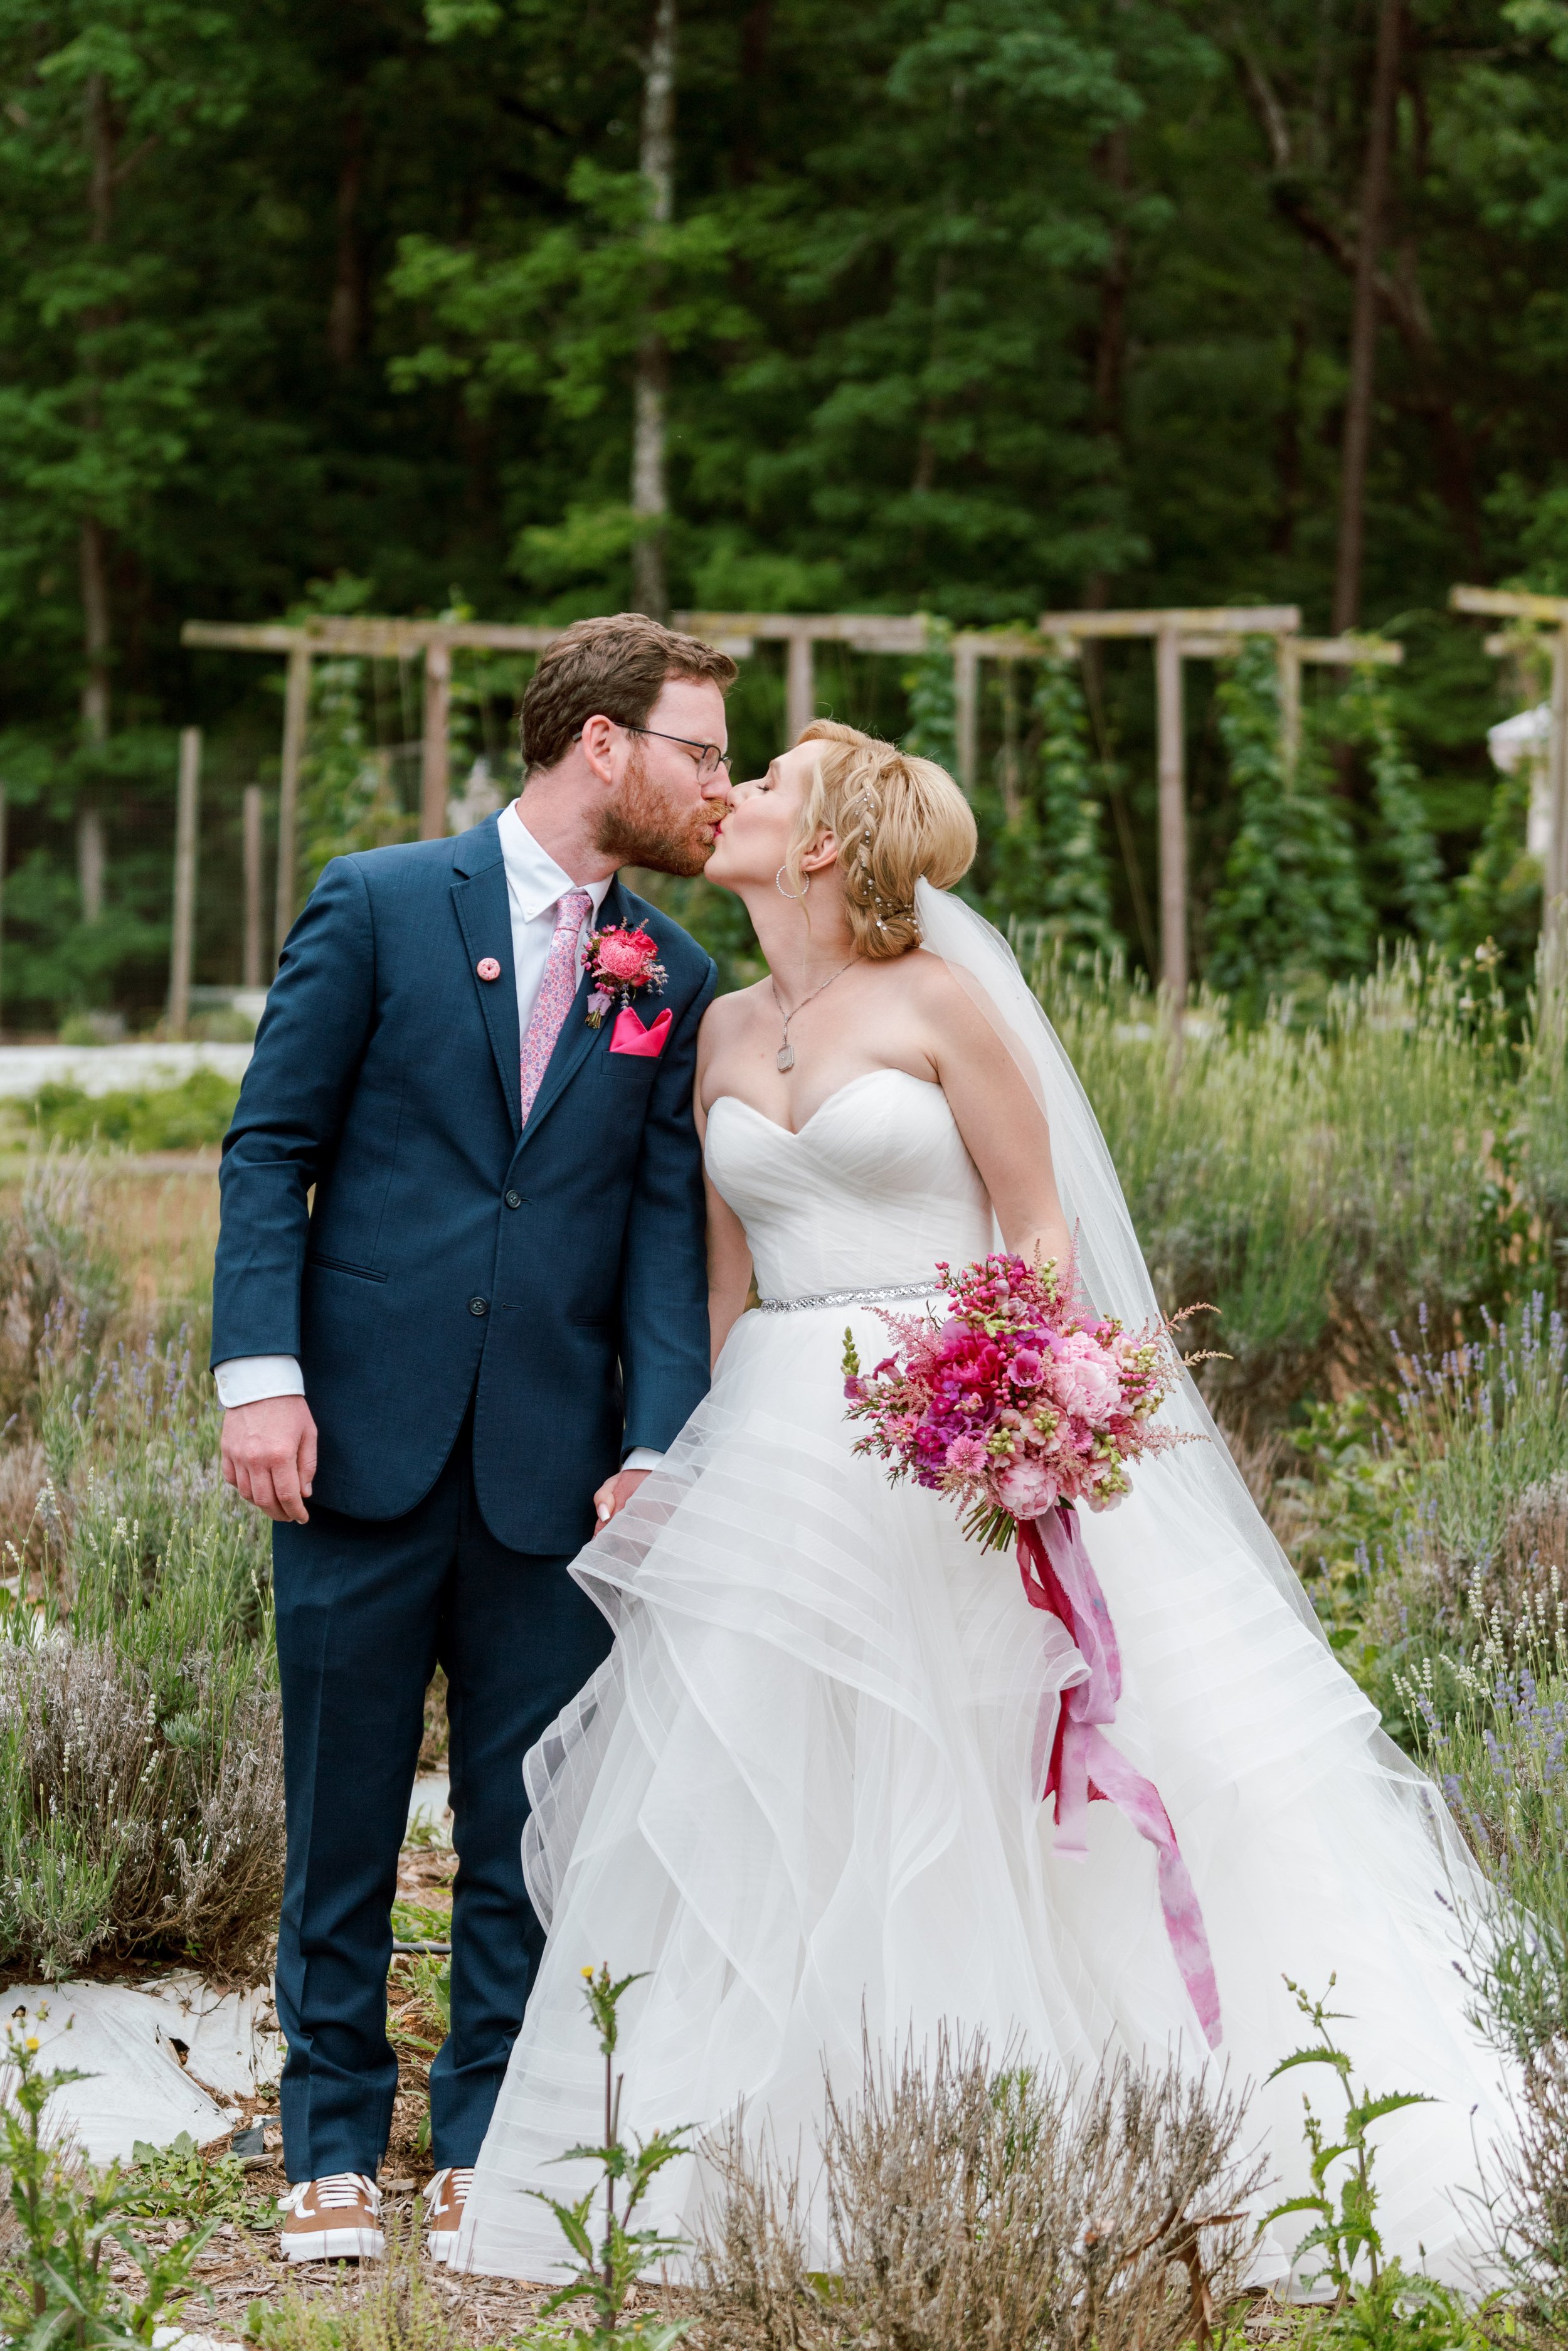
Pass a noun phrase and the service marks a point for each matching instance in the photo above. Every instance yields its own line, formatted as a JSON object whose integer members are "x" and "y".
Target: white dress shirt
{"x": 535, "y": 887}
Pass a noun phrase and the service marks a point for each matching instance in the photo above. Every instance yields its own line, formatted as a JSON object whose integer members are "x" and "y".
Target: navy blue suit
{"x": 488, "y": 1318}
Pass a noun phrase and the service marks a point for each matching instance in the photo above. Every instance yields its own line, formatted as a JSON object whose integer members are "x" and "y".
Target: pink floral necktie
{"x": 557, "y": 989}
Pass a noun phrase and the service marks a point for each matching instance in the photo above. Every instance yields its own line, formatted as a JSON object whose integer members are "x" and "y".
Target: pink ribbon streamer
{"x": 1084, "y": 1766}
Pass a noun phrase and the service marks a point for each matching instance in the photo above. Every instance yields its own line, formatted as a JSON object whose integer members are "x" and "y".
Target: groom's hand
{"x": 614, "y": 1495}
{"x": 269, "y": 1455}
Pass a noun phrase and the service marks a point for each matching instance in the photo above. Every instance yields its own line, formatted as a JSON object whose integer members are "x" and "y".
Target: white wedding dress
{"x": 799, "y": 1792}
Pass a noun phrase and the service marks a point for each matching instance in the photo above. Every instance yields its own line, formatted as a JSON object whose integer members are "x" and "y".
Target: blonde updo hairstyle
{"x": 897, "y": 821}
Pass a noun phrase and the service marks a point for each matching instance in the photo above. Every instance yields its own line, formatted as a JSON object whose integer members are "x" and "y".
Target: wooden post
{"x": 250, "y": 965}
{"x": 437, "y": 705}
{"x": 90, "y": 863}
{"x": 967, "y": 710}
{"x": 801, "y": 691}
{"x": 183, "y": 933}
{"x": 1173, "y": 818}
{"x": 1288, "y": 653}
{"x": 296, "y": 719}
{"x": 1555, "y": 874}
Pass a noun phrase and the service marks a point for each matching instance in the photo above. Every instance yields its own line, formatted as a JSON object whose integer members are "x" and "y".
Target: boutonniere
{"x": 621, "y": 964}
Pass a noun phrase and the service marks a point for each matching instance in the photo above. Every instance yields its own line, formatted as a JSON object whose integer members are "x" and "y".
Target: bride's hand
{"x": 614, "y": 1495}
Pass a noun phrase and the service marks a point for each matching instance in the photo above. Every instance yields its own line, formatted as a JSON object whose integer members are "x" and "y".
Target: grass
{"x": 1319, "y": 1184}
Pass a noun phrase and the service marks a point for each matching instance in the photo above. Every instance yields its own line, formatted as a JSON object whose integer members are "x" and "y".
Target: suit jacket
{"x": 554, "y": 1274}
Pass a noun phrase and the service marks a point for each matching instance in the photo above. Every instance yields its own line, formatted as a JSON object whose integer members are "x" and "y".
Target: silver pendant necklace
{"x": 785, "y": 1057}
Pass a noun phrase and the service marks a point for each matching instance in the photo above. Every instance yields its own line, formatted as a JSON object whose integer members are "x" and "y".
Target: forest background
{"x": 968, "y": 306}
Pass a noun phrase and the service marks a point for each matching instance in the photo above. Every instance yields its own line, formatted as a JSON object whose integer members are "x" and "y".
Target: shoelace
{"x": 458, "y": 2179}
{"x": 334, "y": 2192}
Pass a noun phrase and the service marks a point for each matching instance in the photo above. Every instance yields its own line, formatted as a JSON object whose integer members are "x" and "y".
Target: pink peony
{"x": 1086, "y": 1379}
{"x": 1027, "y": 1490}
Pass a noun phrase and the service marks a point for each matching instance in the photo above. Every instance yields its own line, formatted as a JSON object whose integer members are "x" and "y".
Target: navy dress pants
{"x": 366, "y": 1610}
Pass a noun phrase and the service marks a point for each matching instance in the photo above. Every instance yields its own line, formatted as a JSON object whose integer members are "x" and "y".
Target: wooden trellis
{"x": 434, "y": 642}
{"x": 1182, "y": 633}
{"x": 1511, "y": 604}
{"x": 1179, "y": 633}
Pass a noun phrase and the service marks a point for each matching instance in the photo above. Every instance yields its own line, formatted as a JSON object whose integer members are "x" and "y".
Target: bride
{"x": 799, "y": 1794}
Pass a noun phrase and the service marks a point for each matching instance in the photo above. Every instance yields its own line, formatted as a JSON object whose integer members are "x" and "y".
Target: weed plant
{"x": 56, "y": 2289}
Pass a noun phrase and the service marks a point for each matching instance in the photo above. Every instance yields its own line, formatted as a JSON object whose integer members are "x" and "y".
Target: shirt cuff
{"x": 642, "y": 1456}
{"x": 250, "y": 1379}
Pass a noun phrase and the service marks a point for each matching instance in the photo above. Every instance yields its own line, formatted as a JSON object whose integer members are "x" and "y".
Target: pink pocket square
{"x": 629, "y": 1035}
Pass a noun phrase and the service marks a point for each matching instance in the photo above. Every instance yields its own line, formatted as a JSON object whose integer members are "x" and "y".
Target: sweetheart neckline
{"x": 795, "y": 1132}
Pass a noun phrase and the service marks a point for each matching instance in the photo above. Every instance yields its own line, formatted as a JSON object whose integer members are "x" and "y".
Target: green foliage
{"x": 604, "y": 2275}
{"x": 1414, "y": 869}
{"x": 180, "y": 2183}
{"x": 57, "y": 2291}
{"x": 1497, "y": 900}
{"x": 1075, "y": 899}
{"x": 1288, "y": 916}
{"x": 1318, "y": 1184}
{"x": 1345, "y": 2231}
{"x": 1044, "y": 869}
{"x": 182, "y": 1117}
{"x": 932, "y": 730}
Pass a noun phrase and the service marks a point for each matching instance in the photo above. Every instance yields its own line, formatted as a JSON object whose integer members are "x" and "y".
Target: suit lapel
{"x": 485, "y": 917}
{"x": 577, "y": 1040}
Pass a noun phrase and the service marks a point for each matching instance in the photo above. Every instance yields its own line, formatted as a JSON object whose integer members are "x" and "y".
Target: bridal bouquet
{"x": 1020, "y": 1404}
{"x": 1022, "y": 1400}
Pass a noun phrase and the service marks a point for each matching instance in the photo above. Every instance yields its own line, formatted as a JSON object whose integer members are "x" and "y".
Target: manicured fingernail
{"x": 603, "y": 1510}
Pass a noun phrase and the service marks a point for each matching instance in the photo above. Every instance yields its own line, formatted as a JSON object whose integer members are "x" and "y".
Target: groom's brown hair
{"x": 608, "y": 668}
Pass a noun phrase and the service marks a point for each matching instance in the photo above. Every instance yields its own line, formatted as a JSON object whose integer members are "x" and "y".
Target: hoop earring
{"x": 794, "y": 897}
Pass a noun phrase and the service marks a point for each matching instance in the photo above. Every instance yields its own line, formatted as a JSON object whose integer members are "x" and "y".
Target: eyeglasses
{"x": 708, "y": 755}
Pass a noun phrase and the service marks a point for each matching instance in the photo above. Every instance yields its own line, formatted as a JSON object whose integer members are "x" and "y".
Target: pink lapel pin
{"x": 488, "y": 967}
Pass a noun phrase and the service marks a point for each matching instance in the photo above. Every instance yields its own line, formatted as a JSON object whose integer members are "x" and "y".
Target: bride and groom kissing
{"x": 725, "y": 1707}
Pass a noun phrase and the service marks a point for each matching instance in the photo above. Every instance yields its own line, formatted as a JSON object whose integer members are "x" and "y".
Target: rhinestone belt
{"x": 882, "y": 1297}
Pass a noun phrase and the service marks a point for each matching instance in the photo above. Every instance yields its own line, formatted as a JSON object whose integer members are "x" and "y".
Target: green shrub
{"x": 182, "y": 1117}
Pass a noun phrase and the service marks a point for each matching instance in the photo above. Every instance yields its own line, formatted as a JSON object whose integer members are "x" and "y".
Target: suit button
{"x": 514, "y": 1199}
{"x": 478, "y": 1306}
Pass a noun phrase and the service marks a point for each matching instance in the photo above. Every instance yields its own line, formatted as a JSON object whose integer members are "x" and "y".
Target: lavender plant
{"x": 141, "y": 1810}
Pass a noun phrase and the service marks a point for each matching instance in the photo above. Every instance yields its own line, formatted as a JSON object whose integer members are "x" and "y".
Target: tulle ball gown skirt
{"x": 800, "y": 1797}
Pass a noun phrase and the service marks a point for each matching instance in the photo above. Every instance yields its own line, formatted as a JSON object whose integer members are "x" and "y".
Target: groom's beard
{"x": 646, "y": 826}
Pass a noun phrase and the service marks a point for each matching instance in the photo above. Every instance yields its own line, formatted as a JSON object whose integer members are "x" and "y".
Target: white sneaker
{"x": 337, "y": 2218}
{"x": 444, "y": 2200}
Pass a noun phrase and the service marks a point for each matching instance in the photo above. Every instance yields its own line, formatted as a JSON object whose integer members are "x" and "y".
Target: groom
{"x": 460, "y": 1286}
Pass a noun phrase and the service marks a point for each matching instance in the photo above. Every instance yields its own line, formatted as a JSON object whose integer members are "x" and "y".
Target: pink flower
{"x": 1086, "y": 1379}
{"x": 1027, "y": 1490}
{"x": 625, "y": 956}
{"x": 968, "y": 1454}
